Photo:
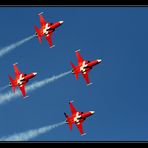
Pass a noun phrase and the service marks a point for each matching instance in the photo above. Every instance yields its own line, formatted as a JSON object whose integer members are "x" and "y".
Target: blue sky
{"x": 117, "y": 35}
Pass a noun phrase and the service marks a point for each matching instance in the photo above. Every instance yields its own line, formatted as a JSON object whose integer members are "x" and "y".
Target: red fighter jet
{"x": 20, "y": 80}
{"x": 77, "y": 118}
{"x": 84, "y": 67}
{"x": 46, "y": 29}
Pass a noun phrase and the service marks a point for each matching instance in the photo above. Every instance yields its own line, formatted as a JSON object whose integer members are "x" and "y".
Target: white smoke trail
{"x": 10, "y": 95}
{"x": 45, "y": 81}
{"x": 4, "y": 87}
{"x": 24, "y": 136}
{"x": 9, "y": 48}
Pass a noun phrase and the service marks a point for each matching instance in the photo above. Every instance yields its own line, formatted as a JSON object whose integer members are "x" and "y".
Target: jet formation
{"x": 83, "y": 67}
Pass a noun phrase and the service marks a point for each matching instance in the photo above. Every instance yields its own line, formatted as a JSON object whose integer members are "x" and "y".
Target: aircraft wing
{"x": 80, "y": 128}
{"x": 85, "y": 75}
{"x": 16, "y": 70}
{"x": 22, "y": 88}
{"x": 72, "y": 108}
{"x": 79, "y": 58}
{"x": 49, "y": 39}
{"x": 42, "y": 20}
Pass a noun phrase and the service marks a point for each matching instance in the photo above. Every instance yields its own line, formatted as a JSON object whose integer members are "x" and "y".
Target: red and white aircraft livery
{"x": 20, "y": 80}
{"x": 84, "y": 67}
{"x": 46, "y": 29}
{"x": 77, "y": 118}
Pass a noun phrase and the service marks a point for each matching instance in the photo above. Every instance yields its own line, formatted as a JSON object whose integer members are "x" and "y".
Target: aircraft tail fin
{"x": 68, "y": 121}
{"x": 38, "y": 34}
{"x": 66, "y": 115}
{"x": 73, "y": 66}
{"x": 12, "y": 83}
{"x": 74, "y": 71}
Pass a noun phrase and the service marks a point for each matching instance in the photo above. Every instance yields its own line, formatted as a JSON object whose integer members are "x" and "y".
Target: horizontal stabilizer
{"x": 73, "y": 70}
{"x": 66, "y": 121}
{"x": 12, "y": 83}
{"x": 38, "y": 34}
{"x": 66, "y": 115}
{"x": 73, "y": 66}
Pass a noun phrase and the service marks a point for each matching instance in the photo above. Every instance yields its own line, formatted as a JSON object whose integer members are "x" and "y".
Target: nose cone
{"x": 61, "y": 22}
{"x": 35, "y": 73}
{"x": 99, "y": 60}
{"x": 92, "y": 112}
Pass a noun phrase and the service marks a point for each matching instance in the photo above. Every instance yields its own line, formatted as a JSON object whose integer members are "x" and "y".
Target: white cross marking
{"x": 19, "y": 80}
{"x": 76, "y": 118}
{"x": 45, "y": 30}
{"x": 82, "y": 68}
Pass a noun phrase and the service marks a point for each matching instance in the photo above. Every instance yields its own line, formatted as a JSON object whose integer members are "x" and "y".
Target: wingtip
{"x": 40, "y": 13}
{"x": 52, "y": 46}
{"x": 71, "y": 101}
{"x": 26, "y": 97}
{"x": 77, "y": 50}
{"x": 15, "y": 63}
{"x": 83, "y": 134}
{"x": 89, "y": 84}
